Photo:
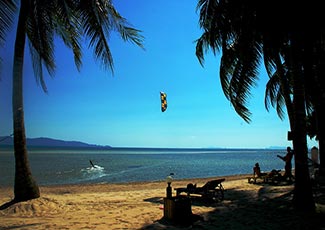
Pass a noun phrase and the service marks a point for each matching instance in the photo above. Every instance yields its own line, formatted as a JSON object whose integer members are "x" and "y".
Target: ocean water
{"x": 71, "y": 166}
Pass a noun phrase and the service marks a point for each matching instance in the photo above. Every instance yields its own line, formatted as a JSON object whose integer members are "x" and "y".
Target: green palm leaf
{"x": 7, "y": 14}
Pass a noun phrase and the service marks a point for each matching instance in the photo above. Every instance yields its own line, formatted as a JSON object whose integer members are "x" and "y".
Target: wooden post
{"x": 169, "y": 208}
{"x": 177, "y": 209}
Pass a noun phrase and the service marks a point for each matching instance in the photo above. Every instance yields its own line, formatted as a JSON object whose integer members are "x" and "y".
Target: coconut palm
{"x": 315, "y": 68}
{"x": 279, "y": 93}
{"x": 39, "y": 22}
{"x": 242, "y": 31}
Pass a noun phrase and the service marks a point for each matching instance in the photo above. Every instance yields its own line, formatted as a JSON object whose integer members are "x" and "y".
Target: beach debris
{"x": 163, "y": 98}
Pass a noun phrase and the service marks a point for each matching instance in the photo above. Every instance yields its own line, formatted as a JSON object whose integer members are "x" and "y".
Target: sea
{"x": 60, "y": 166}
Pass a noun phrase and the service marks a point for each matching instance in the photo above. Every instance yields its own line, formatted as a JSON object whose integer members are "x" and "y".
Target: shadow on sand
{"x": 270, "y": 209}
{"x": 8, "y": 204}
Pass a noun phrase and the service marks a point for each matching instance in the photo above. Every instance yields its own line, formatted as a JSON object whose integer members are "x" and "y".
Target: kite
{"x": 163, "y": 98}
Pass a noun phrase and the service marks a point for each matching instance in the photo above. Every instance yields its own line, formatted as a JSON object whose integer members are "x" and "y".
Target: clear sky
{"x": 123, "y": 110}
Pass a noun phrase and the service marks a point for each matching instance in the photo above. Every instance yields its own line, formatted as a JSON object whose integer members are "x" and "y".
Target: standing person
{"x": 288, "y": 166}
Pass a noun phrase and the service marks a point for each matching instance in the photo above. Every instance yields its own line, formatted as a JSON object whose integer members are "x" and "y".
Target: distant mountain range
{"x": 7, "y": 141}
{"x": 49, "y": 142}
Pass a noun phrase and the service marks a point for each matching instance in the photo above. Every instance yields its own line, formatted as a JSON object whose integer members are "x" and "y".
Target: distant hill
{"x": 277, "y": 147}
{"x": 49, "y": 142}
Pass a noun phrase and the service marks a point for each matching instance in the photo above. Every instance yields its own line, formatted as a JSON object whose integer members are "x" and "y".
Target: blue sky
{"x": 123, "y": 110}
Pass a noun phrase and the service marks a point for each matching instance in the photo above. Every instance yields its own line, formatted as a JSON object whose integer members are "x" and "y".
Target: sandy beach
{"x": 140, "y": 206}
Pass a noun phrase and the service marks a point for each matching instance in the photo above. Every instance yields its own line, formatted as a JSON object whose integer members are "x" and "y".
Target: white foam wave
{"x": 93, "y": 172}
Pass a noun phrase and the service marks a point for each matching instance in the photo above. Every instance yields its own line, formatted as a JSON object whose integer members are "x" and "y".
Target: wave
{"x": 93, "y": 172}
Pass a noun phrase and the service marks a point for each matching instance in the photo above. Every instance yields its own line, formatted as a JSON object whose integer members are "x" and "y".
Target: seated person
{"x": 191, "y": 186}
{"x": 257, "y": 171}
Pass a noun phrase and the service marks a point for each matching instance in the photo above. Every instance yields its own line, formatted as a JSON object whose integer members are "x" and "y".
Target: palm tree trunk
{"x": 321, "y": 137}
{"x": 320, "y": 103}
{"x": 303, "y": 196}
{"x": 319, "y": 112}
{"x": 25, "y": 187}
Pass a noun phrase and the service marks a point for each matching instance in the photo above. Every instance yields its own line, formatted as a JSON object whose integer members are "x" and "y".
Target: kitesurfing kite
{"x": 163, "y": 98}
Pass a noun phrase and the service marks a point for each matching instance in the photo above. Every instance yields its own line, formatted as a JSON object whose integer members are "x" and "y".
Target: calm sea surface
{"x": 70, "y": 166}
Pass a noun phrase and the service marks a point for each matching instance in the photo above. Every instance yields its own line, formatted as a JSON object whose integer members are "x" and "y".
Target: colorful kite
{"x": 163, "y": 98}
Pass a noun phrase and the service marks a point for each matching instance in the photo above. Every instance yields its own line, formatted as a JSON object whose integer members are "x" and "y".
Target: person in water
{"x": 91, "y": 163}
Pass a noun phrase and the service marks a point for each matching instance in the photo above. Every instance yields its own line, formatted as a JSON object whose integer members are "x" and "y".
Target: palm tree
{"x": 314, "y": 65}
{"x": 243, "y": 32}
{"x": 279, "y": 91}
{"x": 39, "y": 21}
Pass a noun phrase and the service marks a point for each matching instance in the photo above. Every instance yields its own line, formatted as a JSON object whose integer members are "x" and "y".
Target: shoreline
{"x": 175, "y": 180}
{"x": 139, "y": 205}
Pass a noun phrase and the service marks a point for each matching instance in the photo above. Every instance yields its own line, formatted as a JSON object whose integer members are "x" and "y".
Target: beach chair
{"x": 273, "y": 177}
{"x": 255, "y": 178}
{"x": 213, "y": 190}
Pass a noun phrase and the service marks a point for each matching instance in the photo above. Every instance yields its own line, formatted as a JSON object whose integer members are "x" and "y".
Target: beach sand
{"x": 140, "y": 206}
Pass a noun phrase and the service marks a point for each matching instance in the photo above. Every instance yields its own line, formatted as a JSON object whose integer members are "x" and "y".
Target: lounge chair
{"x": 254, "y": 179}
{"x": 213, "y": 189}
{"x": 273, "y": 177}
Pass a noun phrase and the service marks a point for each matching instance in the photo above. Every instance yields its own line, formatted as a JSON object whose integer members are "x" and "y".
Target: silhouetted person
{"x": 288, "y": 166}
{"x": 91, "y": 163}
{"x": 257, "y": 171}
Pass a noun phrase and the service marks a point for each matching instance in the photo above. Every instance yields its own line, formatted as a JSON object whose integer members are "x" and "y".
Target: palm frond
{"x": 123, "y": 27}
{"x": 274, "y": 96}
{"x": 7, "y": 12}
{"x": 37, "y": 66}
{"x": 98, "y": 19}
{"x": 228, "y": 63}
{"x": 227, "y": 26}
{"x": 239, "y": 73}
{"x": 68, "y": 27}
{"x": 40, "y": 33}
{"x": 202, "y": 46}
